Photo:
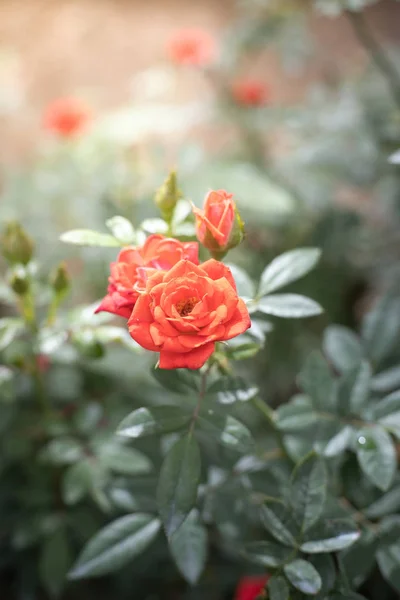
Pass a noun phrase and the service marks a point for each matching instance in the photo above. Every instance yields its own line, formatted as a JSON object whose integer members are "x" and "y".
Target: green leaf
{"x": 381, "y": 327}
{"x": 316, "y": 380}
{"x": 76, "y": 482}
{"x": 387, "y": 413}
{"x": 276, "y": 520}
{"x": 242, "y": 351}
{"x": 278, "y": 589}
{"x": 7, "y": 385}
{"x": 86, "y": 237}
{"x": 342, "y": 347}
{"x": 340, "y": 442}
{"x": 385, "y": 505}
{"x": 122, "y": 229}
{"x": 10, "y": 328}
{"x": 308, "y": 490}
{"x": 232, "y": 389}
{"x": 361, "y": 386}
{"x": 244, "y": 285}
{"x": 386, "y": 381}
{"x": 189, "y": 547}
{"x": 296, "y": 415}
{"x": 267, "y": 554}
{"x": 179, "y": 381}
{"x": 388, "y": 557}
{"x": 154, "y": 420}
{"x": 376, "y": 456}
{"x": 116, "y": 545}
{"x": 330, "y": 535}
{"x": 346, "y": 595}
{"x": 359, "y": 559}
{"x": 228, "y": 431}
{"x": 55, "y": 560}
{"x": 326, "y": 568}
{"x": 303, "y": 576}
{"x": 63, "y": 451}
{"x": 286, "y": 268}
{"x": 154, "y": 226}
{"x": 178, "y": 482}
{"x": 126, "y": 461}
{"x": 289, "y": 306}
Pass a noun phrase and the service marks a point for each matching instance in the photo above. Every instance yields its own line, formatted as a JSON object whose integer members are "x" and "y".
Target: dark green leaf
{"x": 227, "y": 431}
{"x": 179, "y": 381}
{"x": 7, "y": 384}
{"x": 55, "y": 560}
{"x": 286, "y": 268}
{"x": 289, "y": 306}
{"x": 386, "y": 381}
{"x": 232, "y": 389}
{"x": 76, "y": 482}
{"x": 316, "y": 380}
{"x": 154, "y": 420}
{"x": 326, "y": 568}
{"x": 342, "y": 347}
{"x": 376, "y": 456}
{"x": 127, "y": 461}
{"x": 381, "y": 328}
{"x": 295, "y": 416}
{"x": 330, "y": 535}
{"x": 276, "y": 520}
{"x": 178, "y": 482}
{"x": 278, "y": 589}
{"x": 361, "y": 387}
{"x": 340, "y": 442}
{"x": 115, "y": 545}
{"x": 388, "y": 557}
{"x": 303, "y": 576}
{"x": 385, "y": 505}
{"x": 267, "y": 554}
{"x": 308, "y": 490}
{"x": 86, "y": 237}
{"x": 189, "y": 548}
{"x": 359, "y": 559}
{"x": 63, "y": 451}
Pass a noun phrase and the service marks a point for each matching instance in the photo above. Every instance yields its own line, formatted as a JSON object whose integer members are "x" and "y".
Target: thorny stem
{"x": 367, "y": 40}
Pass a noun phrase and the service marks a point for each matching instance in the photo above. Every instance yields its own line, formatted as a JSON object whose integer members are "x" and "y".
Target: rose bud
{"x": 219, "y": 226}
{"x": 251, "y": 588}
{"x": 167, "y": 196}
{"x": 16, "y": 245}
{"x": 59, "y": 280}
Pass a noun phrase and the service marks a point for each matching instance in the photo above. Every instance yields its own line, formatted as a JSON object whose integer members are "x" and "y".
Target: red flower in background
{"x": 251, "y": 92}
{"x": 194, "y": 47}
{"x": 134, "y": 265}
{"x": 67, "y": 117}
{"x": 184, "y": 311}
{"x": 250, "y": 587}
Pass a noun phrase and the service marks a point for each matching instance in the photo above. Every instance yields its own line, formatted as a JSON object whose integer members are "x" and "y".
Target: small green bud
{"x": 167, "y": 196}
{"x": 19, "y": 284}
{"x": 16, "y": 246}
{"x": 59, "y": 280}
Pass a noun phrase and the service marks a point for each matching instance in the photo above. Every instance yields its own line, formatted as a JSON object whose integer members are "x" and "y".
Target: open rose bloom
{"x": 129, "y": 274}
{"x": 218, "y": 225}
{"x": 185, "y": 311}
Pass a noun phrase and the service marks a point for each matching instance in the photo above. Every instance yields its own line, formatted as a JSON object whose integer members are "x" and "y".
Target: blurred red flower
{"x": 250, "y": 587}
{"x": 251, "y": 92}
{"x": 67, "y": 117}
{"x": 194, "y": 47}
{"x": 43, "y": 362}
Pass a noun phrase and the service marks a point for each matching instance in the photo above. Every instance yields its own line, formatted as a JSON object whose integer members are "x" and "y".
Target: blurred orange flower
{"x": 67, "y": 117}
{"x": 195, "y": 47}
{"x": 251, "y": 92}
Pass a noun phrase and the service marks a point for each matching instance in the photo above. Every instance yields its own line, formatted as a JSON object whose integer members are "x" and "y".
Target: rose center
{"x": 186, "y": 305}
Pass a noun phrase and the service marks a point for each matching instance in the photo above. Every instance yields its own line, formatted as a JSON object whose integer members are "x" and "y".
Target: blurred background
{"x": 291, "y": 105}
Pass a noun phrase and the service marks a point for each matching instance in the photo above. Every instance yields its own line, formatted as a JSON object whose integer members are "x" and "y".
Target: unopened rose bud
{"x": 219, "y": 226}
{"x": 16, "y": 245}
{"x": 60, "y": 281}
{"x": 19, "y": 284}
{"x": 167, "y": 196}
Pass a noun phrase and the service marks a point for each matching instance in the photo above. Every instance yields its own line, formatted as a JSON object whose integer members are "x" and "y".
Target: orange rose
{"x": 218, "y": 226}
{"x": 250, "y": 92}
{"x": 185, "y": 311}
{"x": 193, "y": 47}
{"x": 133, "y": 267}
{"x": 67, "y": 117}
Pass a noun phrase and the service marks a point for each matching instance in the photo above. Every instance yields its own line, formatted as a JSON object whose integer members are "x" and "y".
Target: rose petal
{"x": 216, "y": 270}
{"x": 239, "y": 323}
{"x": 191, "y": 360}
{"x": 182, "y": 269}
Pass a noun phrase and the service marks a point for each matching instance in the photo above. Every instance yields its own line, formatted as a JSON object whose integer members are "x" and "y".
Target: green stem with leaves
{"x": 202, "y": 393}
